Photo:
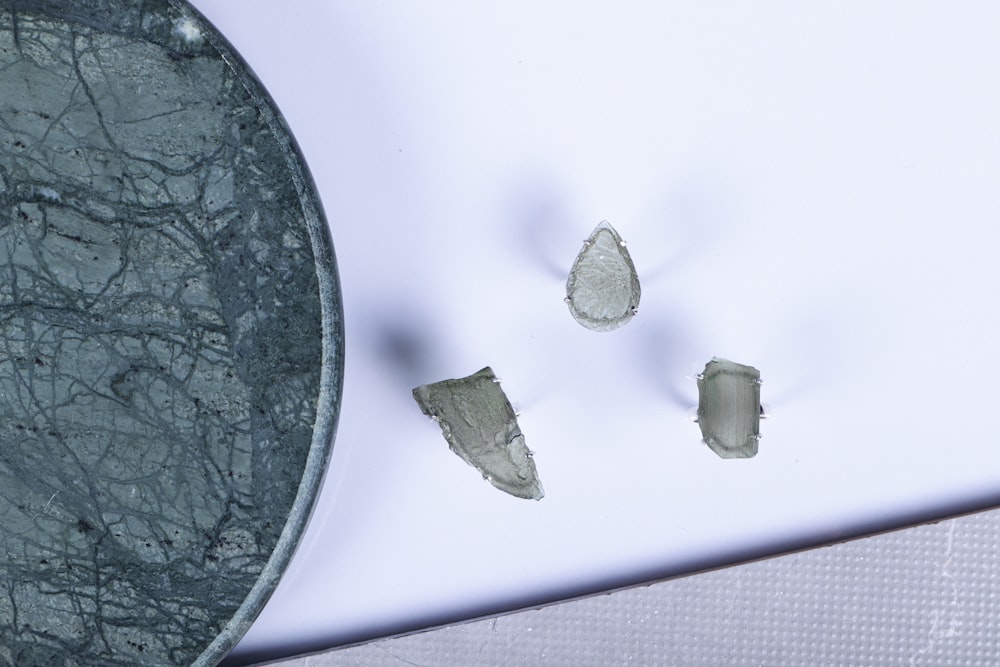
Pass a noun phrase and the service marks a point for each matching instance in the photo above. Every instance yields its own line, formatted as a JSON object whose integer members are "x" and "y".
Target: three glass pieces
{"x": 602, "y": 292}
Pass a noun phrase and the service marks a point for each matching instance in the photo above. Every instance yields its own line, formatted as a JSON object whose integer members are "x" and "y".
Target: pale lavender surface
{"x": 801, "y": 189}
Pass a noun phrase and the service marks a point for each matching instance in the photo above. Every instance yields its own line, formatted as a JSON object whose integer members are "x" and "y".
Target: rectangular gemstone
{"x": 729, "y": 408}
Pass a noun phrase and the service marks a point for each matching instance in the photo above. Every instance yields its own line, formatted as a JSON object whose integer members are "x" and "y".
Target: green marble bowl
{"x": 170, "y": 337}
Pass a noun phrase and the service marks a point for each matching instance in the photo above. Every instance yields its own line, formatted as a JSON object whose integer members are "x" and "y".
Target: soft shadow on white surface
{"x": 810, "y": 190}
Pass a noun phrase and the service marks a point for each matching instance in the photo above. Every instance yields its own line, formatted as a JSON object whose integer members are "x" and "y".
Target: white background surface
{"x": 810, "y": 190}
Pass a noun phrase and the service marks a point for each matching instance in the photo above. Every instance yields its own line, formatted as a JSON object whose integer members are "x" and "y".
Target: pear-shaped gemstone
{"x": 603, "y": 289}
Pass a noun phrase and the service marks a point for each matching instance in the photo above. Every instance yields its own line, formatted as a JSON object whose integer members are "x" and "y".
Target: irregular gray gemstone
{"x": 603, "y": 289}
{"x": 480, "y": 426}
{"x": 169, "y": 337}
{"x": 729, "y": 408}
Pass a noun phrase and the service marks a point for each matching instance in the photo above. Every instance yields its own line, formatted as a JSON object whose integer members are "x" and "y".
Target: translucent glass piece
{"x": 603, "y": 289}
{"x": 480, "y": 426}
{"x": 729, "y": 408}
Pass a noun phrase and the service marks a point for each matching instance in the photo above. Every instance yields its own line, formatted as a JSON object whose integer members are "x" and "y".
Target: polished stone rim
{"x": 332, "y": 373}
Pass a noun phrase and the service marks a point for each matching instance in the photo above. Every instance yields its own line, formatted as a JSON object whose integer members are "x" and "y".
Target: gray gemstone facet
{"x": 480, "y": 426}
{"x": 602, "y": 290}
{"x": 729, "y": 408}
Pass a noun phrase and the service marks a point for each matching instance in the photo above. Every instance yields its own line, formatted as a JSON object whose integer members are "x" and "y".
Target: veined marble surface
{"x": 169, "y": 338}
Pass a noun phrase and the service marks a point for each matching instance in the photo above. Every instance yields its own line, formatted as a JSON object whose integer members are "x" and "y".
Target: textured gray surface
{"x": 169, "y": 350}
{"x": 928, "y": 595}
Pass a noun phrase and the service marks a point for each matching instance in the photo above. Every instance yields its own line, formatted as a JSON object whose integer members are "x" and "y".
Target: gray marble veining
{"x": 169, "y": 337}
